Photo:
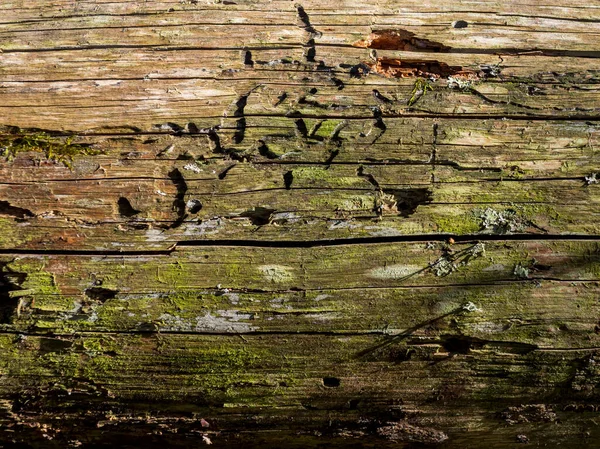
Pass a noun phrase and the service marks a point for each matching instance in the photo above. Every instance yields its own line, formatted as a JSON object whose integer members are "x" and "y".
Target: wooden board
{"x": 268, "y": 224}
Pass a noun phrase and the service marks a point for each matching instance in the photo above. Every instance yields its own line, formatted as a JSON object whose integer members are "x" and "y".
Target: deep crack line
{"x": 419, "y": 238}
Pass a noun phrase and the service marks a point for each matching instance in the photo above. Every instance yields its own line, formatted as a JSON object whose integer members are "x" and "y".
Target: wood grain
{"x": 269, "y": 224}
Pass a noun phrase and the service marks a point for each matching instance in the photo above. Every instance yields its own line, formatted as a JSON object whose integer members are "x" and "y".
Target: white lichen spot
{"x": 277, "y": 302}
{"x": 193, "y": 205}
{"x": 107, "y": 83}
{"x": 284, "y": 217}
{"x": 458, "y": 83}
{"x": 477, "y": 250}
{"x": 174, "y": 323}
{"x": 521, "y": 272}
{"x": 321, "y": 316}
{"x": 443, "y": 267}
{"x": 502, "y": 222}
{"x": 277, "y": 273}
{"x": 591, "y": 179}
{"x": 228, "y": 321}
{"x": 321, "y": 297}
{"x": 397, "y": 271}
{"x": 192, "y": 167}
{"x": 470, "y": 307}
{"x": 50, "y": 214}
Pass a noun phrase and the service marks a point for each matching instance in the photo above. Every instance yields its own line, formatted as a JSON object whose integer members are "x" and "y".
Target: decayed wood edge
{"x": 250, "y": 376}
{"x": 103, "y": 369}
{"x": 233, "y": 390}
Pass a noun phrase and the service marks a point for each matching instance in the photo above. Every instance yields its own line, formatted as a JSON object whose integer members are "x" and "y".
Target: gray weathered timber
{"x": 321, "y": 224}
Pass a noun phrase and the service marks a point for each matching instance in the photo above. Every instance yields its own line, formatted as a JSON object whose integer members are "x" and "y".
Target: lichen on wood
{"x": 247, "y": 224}
{"x": 58, "y": 149}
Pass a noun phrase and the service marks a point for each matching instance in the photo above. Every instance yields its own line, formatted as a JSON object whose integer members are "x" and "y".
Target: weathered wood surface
{"x": 268, "y": 224}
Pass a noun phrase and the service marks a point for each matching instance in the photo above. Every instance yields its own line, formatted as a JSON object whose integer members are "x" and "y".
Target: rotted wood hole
{"x": 266, "y": 224}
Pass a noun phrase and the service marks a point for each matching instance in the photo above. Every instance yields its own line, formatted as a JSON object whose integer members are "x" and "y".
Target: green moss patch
{"x": 58, "y": 149}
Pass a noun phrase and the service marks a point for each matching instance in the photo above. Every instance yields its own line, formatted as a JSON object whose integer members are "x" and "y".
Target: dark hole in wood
{"x": 54, "y": 344}
{"x": 194, "y": 206}
{"x": 301, "y": 127}
{"x": 354, "y": 404}
{"x": 407, "y": 200}
{"x": 192, "y": 128}
{"x": 359, "y": 70}
{"x": 179, "y": 203}
{"x": 304, "y": 20}
{"x": 125, "y": 208}
{"x": 288, "y": 179}
{"x": 457, "y": 345}
{"x": 100, "y": 293}
{"x": 264, "y": 151}
{"x": 248, "y": 58}
{"x": 404, "y": 355}
{"x": 240, "y": 104}
{"x": 280, "y": 99}
{"x": 10, "y": 281}
{"x": 137, "y": 226}
{"x": 224, "y": 172}
{"x": 169, "y": 126}
{"x": 331, "y": 382}
{"x": 310, "y": 54}
{"x": 240, "y": 130}
{"x": 259, "y": 216}
{"x": 7, "y": 209}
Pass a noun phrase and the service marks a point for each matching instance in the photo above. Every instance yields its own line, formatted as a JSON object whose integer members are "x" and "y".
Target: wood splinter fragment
{"x": 402, "y": 40}
{"x": 408, "y": 68}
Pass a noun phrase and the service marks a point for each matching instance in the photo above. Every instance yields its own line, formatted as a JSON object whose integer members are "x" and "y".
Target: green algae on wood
{"x": 267, "y": 329}
{"x": 58, "y": 149}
